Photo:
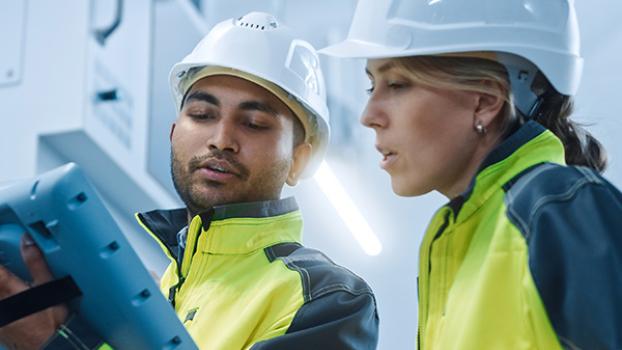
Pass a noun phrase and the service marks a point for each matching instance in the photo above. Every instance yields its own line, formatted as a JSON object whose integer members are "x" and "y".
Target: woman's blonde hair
{"x": 484, "y": 75}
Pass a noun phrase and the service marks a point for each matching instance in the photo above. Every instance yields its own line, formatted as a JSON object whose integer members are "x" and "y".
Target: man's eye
{"x": 370, "y": 90}
{"x": 257, "y": 126}
{"x": 201, "y": 116}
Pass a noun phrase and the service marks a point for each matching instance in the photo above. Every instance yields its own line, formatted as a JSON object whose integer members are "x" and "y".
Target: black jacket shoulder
{"x": 339, "y": 311}
{"x": 571, "y": 218}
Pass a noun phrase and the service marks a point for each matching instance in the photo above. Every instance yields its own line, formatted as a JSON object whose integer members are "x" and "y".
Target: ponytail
{"x": 580, "y": 146}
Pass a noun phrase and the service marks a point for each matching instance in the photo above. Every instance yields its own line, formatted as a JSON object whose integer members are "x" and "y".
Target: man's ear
{"x": 301, "y": 157}
{"x": 170, "y": 136}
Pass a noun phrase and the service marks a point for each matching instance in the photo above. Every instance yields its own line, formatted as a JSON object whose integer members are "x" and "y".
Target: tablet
{"x": 120, "y": 300}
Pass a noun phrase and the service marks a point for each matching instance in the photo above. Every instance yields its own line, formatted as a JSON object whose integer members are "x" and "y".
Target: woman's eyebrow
{"x": 383, "y": 68}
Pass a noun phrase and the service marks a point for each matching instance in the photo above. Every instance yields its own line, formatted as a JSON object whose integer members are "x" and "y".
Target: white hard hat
{"x": 543, "y": 32}
{"x": 257, "y": 48}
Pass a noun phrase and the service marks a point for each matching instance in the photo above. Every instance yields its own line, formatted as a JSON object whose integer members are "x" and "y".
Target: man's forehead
{"x": 232, "y": 90}
{"x": 239, "y": 86}
{"x": 221, "y": 90}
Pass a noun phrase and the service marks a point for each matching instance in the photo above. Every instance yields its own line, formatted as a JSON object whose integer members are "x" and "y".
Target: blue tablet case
{"x": 120, "y": 300}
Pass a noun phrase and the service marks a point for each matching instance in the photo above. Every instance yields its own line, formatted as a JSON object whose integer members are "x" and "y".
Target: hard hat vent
{"x": 257, "y": 21}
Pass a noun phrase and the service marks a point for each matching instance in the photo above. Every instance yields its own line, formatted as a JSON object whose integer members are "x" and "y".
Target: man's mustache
{"x": 240, "y": 170}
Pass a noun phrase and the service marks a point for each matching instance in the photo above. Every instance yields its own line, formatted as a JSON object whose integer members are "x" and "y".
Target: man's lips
{"x": 214, "y": 175}
{"x": 218, "y": 170}
{"x": 220, "y": 166}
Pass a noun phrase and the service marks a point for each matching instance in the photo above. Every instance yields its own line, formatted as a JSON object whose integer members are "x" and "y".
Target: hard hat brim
{"x": 358, "y": 49}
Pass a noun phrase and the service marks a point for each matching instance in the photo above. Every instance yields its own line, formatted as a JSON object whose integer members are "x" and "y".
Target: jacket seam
{"x": 589, "y": 174}
{"x": 304, "y": 274}
{"x": 516, "y": 181}
{"x": 557, "y": 198}
{"x": 310, "y": 295}
{"x": 523, "y": 226}
{"x": 340, "y": 287}
{"x": 526, "y": 226}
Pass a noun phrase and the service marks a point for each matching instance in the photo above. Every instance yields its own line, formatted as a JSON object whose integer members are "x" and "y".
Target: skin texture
{"x": 234, "y": 123}
{"x": 427, "y": 135}
{"x": 240, "y": 127}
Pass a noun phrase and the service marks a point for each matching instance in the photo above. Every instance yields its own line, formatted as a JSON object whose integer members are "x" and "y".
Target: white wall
{"x": 599, "y": 93}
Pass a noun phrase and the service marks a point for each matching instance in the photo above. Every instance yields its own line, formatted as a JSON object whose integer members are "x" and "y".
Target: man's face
{"x": 232, "y": 142}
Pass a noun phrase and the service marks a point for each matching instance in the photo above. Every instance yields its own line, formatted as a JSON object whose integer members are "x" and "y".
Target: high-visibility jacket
{"x": 246, "y": 282}
{"x": 529, "y": 257}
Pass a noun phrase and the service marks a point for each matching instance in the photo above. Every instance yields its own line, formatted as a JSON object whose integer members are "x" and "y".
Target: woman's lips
{"x": 388, "y": 160}
{"x": 388, "y": 156}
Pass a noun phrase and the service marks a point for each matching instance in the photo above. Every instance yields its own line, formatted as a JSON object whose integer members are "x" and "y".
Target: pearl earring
{"x": 480, "y": 129}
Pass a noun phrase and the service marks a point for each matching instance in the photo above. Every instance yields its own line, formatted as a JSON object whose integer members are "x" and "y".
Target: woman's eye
{"x": 396, "y": 85}
{"x": 391, "y": 85}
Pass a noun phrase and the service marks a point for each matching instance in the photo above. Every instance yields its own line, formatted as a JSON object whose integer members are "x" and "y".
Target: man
{"x": 252, "y": 117}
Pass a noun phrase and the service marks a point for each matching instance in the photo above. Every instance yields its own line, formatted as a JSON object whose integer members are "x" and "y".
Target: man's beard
{"x": 266, "y": 185}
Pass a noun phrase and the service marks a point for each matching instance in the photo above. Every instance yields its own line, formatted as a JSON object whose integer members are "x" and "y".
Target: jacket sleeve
{"x": 338, "y": 320}
{"x": 575, "y": 257}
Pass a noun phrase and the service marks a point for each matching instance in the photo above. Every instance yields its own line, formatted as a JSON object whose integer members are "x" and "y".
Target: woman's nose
{"x": 373, "y": 116}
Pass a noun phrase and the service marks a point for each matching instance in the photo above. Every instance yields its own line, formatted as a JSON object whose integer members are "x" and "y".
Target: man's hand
{"x": 33, "y": 331}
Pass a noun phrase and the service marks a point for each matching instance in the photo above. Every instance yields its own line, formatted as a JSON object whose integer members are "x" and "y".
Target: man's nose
{"x": 224, "y": 137}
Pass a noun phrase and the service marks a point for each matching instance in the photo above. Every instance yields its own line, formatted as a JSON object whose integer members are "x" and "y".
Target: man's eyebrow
{"x": 258, "y": 106}
{"x": 202, "y": 96}
{"x": 383, "y": 68}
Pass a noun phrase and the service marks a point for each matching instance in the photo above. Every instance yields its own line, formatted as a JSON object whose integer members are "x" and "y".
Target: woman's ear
{"x": 488, "y": 107}
{"x": 300, "y": 159}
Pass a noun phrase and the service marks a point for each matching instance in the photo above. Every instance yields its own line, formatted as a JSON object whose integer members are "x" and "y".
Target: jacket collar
{"x": 232, "y": 228}
{"x": 530, "y": 145}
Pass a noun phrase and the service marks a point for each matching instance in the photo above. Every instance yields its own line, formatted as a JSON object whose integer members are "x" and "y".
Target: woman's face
{"x": 425, "y": 135}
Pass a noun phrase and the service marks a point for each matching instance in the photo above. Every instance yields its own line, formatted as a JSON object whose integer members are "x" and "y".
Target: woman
{"x": 472, "y": 99}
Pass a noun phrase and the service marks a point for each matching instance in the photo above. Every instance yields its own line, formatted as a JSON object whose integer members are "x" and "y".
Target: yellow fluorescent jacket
{"x": 246, "y": 282}
{"x": 530, "y": 257}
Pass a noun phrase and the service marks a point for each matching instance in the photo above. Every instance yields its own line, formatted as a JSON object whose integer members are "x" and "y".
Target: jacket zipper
{"x": 172, "y": 292}
{"x": 180, "y": 279}
{"x": 438, "y": 233}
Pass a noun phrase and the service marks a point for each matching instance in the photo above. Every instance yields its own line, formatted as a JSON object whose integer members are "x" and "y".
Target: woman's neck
{"x": 463, "y": 179}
